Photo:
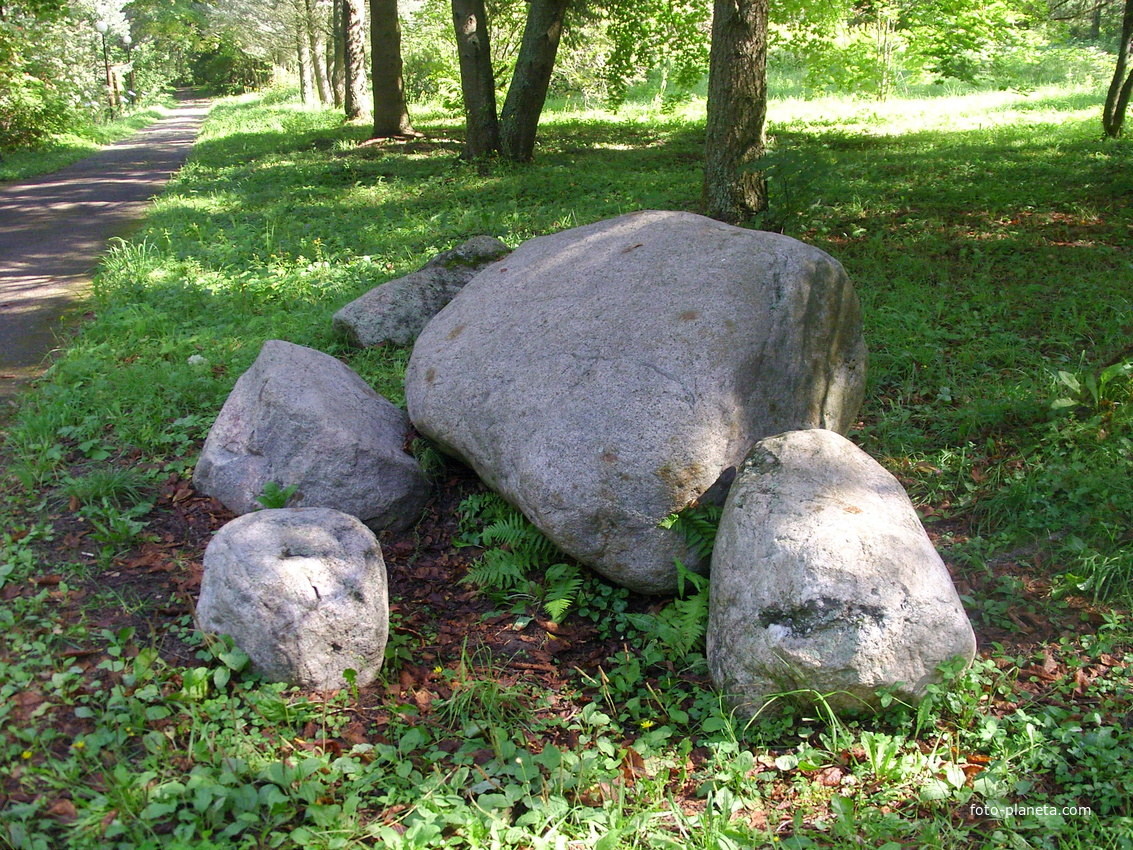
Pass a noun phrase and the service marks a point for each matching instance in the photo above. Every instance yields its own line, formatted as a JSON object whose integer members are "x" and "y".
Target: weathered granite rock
{"x": 397, "y": 311}
{"x": 605, "y": 377}
{"x": 824, "y": 581}
{"x": 299, "y": 417}
{"x": 302, "y": 591}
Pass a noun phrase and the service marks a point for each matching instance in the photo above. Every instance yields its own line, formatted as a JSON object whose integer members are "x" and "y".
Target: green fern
{"x": 519, "y": 564}
{"x": 698, "y": 524}
{"x": 680, "y": 626}
{"x": 564, "y": 581}
{"x": 497, "y": 569}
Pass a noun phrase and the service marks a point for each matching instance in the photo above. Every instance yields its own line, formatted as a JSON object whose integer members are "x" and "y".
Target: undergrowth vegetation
{"x": 988, "y": 239}
{"x": 64, "y": 147}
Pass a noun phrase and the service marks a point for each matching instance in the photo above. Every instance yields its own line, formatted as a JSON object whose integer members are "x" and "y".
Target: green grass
{"x": 64, "y": 148}
{"x": 988, "y": 238}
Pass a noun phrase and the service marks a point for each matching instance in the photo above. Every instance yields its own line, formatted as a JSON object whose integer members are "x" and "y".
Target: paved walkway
{"x": 54, "y": 228}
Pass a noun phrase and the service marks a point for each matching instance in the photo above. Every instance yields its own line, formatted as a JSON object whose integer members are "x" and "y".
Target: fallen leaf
{"x": 830, "y": 777}
{"x": 64, "y": 810}
{"x": 633, "y": 766}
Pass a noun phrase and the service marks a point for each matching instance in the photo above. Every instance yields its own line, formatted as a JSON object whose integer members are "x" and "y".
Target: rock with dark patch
{"x": 302, "y": 591}
{"x": 825, "y": 583}
{"x": 300, "y": 418}
{"x": 398, "y": 310}
{"x": 605, "y": 377}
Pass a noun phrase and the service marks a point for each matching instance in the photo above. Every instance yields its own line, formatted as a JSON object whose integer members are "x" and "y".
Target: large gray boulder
{"x": 302, "y": 591}
{"x": 299, "y": 417}
{"x": 824, "y": 582}
{"x": 605, "y": 377}
{"x": 397, "y": 311}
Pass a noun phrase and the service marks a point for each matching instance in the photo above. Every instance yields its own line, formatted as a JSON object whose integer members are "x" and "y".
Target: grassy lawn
{"x": 990, "y": 238}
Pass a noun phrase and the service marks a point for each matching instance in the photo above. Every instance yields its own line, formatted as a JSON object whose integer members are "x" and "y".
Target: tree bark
{"x": 317, "y": 36}
{"x": 531, "y": 78}
{"x": 306, "y": 73}
{"x": 477, "y": 78}
{"x": 390, "y": 115}
{"x": 737, "y": 108}
{"x": 338, "y": 56}
{"x": 1117, "y": 100}
{"x": 354, "y": 55}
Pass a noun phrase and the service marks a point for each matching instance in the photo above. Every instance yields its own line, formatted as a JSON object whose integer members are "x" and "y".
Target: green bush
{"x": 29, "y": 112}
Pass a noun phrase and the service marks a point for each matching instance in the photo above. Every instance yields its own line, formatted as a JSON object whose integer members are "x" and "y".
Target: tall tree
{"x": 737, "y": 108}
{"x": 307, "y": 91}
{"x": 354, "y": 57}
{"x": 531, "y": 78}
{"x": 391, "y": 118}
{"x": 477, "y": 78}
{"x": 338, "y": 55}
{"x": 316, "y": 16}
{"x": 1117, "y": 100}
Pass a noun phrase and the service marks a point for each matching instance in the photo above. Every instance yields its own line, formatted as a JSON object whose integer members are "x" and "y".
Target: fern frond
{"x": 698, "y": 524}
{"x": 563, "y": 581}
{"x": 496, "y": 570}
{"x": 515, "y": 550}
{"x": 682, "y": 624}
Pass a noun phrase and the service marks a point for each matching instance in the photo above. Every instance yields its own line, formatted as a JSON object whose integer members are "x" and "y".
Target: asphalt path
{"x": 54, "y": 228}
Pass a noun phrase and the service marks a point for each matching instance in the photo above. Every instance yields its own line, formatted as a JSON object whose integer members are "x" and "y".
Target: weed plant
{"x": 987, "y": 236}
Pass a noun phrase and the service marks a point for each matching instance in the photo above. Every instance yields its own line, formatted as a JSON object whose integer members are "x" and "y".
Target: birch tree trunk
{"x": 354, "y": 52}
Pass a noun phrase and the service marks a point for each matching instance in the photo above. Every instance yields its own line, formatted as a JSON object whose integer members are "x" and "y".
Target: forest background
{"x": 68, "y": 66}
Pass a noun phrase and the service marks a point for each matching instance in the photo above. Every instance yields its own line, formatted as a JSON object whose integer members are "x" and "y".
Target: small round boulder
{"x": 302, "y": 591}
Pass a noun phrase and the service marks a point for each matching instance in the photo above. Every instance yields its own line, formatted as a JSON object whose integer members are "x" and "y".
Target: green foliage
{"x": 1108, "y": 394}
{"x": 650, "y": 35}
{"x": 115, "y": 526}
{"x": 887, "y": 46}
{"x": 276, "y": 496}
{"x": 29, "y": 112}
{"x": 698, "y": 524}
{"x": 120, "y": 486}
{"x": 224, "y": 67}
{"x": 482, "y": 703}
{"x": 678, "y": 629}
{"x": 431, "y": 460}
{"x": 519, "y": 564}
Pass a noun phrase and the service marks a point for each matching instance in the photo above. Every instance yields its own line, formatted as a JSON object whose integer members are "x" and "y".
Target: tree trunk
{"x": 477, "y": 78}
{"x": 317, "y": 35}
{"x": 354, "y": 26}
{"x": 338, "y": 56}
{"x": 737, "y": 107}
{"x": 531, "y": 78}
{"x": 1117, "y": 100}
{"x": 390, "y": 115}
{"x": 306, "y": 74}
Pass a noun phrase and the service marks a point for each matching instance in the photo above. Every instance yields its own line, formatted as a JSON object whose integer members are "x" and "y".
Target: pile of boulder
{"x": 600, "y": 379}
